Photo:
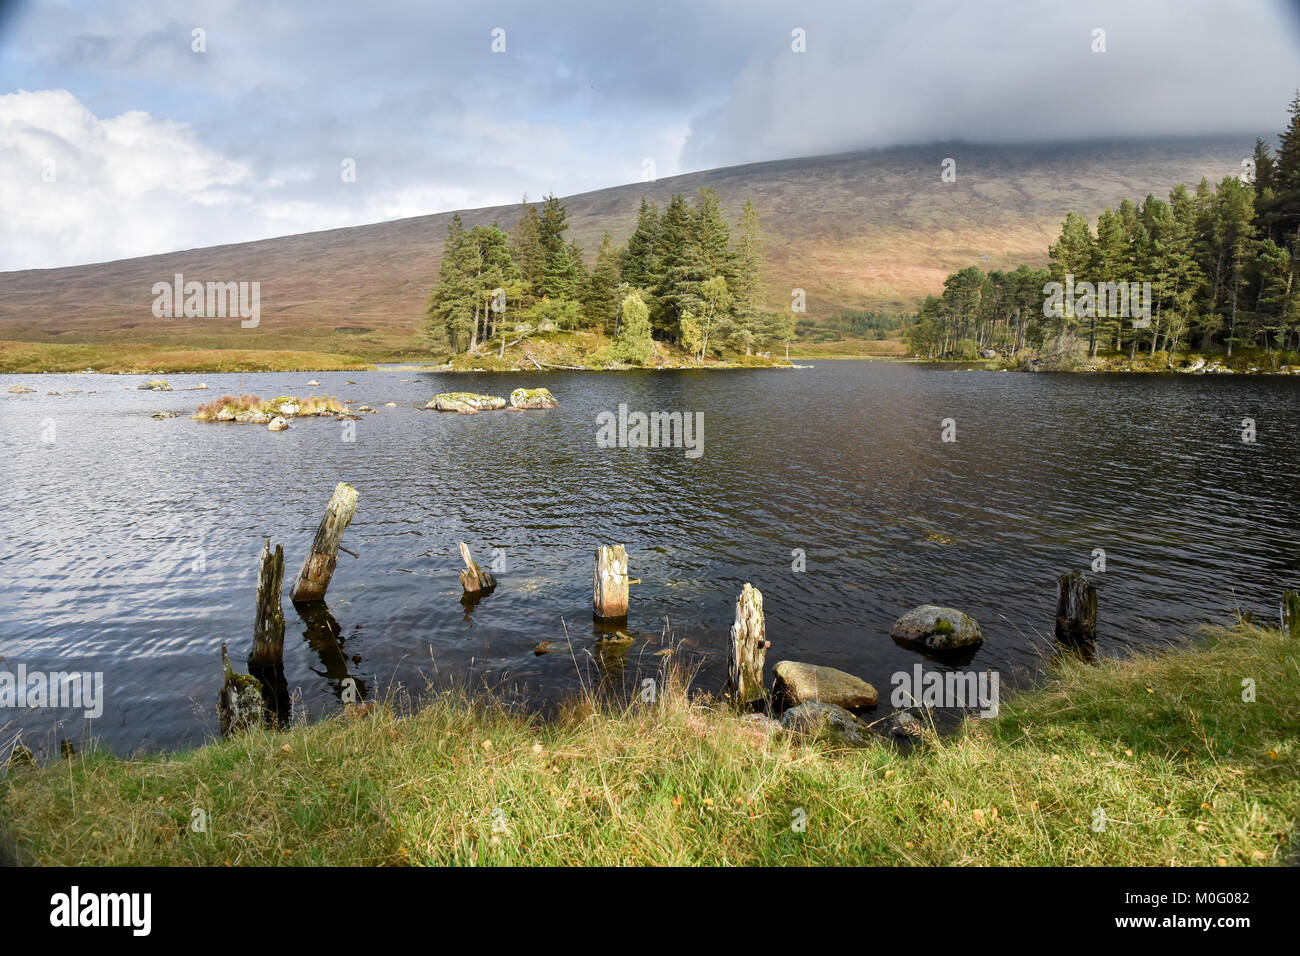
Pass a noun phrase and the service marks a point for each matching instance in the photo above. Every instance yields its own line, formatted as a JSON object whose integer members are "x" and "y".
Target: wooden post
{"x": 1291, "y": 614}
{"x": 609, "y": 583}
{"x": 239, "y": 705}
{"x": 1076, "y": 612}
{"x": 474, "y": 579}
{"x": 317, "y": 570}
{"x": 268, "y": 625}
{"x": 748, "y": 650}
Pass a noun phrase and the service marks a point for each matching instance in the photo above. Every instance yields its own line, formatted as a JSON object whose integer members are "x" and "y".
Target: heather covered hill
{"x": 857, "y": 230}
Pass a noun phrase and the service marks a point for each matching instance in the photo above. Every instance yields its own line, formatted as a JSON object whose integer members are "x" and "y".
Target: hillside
{"x": 874, "y": 230}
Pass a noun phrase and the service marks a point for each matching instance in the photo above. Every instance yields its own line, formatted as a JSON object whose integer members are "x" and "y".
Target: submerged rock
{"x": 816, "y": 717}
{"x": 800, "y": 683}
{"x": 313, "y": 382}
{"x": 163, "y": 413}
{"x": 20, "y": 390}
{"x": 938, "y": 628}
{"x": 532, "y": 398}
{"x": 277, "y": 424}
{"x": 157, "y": 385}
{"x": 466, "y": 403}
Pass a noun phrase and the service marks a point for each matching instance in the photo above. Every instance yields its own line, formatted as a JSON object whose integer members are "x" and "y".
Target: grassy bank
{"x": 1184, "y": 770}
{"x": 34, "y": 357}
{"x": 1247, "y": 361}
{"x": 849, "y": 349}
{"x": 581, "y": 349}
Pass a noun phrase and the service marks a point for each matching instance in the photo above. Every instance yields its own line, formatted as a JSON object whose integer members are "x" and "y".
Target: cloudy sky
{"x": 118, "y": 137}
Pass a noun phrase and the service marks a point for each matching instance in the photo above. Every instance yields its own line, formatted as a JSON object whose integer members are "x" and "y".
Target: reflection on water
{"x": 133, "y": 543}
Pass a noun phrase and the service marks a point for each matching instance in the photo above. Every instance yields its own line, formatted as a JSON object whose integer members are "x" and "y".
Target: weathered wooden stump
{"x": 748, "y": 650}
{"x": 474, "y": 579}
{"x": 1291, "y": 614}
{"x": 1076, "y": 612}
{"x": 239, "y": 705}
{"x": 268, "y": 625}
{"x": 317, "y": 570}
{"x": 266, "y": 662}
{"x": 609, "y": 584}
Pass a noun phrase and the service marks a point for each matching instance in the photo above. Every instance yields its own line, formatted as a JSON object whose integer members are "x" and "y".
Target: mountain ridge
{"x": 865, "y": 229}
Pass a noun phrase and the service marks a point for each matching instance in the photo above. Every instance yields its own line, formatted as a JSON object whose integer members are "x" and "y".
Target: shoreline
{"x": 1161, "y": 744}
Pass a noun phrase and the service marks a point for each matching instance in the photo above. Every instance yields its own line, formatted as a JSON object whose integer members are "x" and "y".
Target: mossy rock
{"x": 466, "y": 403}
{"x": 532, "y": 398}
{"x": 937, "y": 628}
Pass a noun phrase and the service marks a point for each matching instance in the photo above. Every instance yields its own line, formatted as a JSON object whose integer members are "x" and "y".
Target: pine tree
{"x": 1073, "y": 254}
{"x": 563, "y": 278}
{"x": 454, "y": 300}
{"x": 496, "y": 269}
{"x": 526, "y": 249}
{"x": 712, "y": 234}
{"x": 747, "y": 284}
{"x": 640, "y": 260}
{"x": 682, "y": 268}
{"x": 552, "y": 223}
{"x": 601, "y": 304}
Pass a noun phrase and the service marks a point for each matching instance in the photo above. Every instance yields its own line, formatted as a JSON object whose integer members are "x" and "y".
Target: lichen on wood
{"x": 748, "y": 650}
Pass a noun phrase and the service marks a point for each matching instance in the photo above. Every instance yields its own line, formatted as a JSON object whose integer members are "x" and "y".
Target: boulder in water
{"x": 466, "y": 403}
{"x": 532, "y": 398}
{"x": 938, "y": 628}
{"x": 800, "y": 683}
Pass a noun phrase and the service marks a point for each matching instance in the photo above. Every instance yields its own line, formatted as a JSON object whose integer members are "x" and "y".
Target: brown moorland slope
{"x": 872, "y": 230}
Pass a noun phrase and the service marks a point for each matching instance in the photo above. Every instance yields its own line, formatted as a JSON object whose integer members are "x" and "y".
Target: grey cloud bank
{"x": 117, "y": 138}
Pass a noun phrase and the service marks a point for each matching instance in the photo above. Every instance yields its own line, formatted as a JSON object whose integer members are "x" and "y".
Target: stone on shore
{"x": 801, "y": 683}
{"x": 816, "y": 717}
{"x": 532, "y": 398}
{"x": 466, "y": 403}
{"x": 938, "y": 628}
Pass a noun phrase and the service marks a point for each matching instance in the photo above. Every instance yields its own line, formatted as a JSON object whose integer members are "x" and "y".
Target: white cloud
{"x": 76, "y": 188}
{"x": 138, "y": 184}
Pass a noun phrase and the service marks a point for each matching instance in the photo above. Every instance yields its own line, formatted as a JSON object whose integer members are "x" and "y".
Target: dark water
{"x": 103, "y": 528}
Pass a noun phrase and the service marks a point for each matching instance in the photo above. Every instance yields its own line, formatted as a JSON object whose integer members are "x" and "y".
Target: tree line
{"x": 1220, "y": 261}
{"x": 679, "y": 278}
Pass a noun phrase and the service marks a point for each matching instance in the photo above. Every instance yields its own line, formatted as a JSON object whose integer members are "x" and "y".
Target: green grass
{"x": 1184, "y": 770}
{"x": 32, "y": 357}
